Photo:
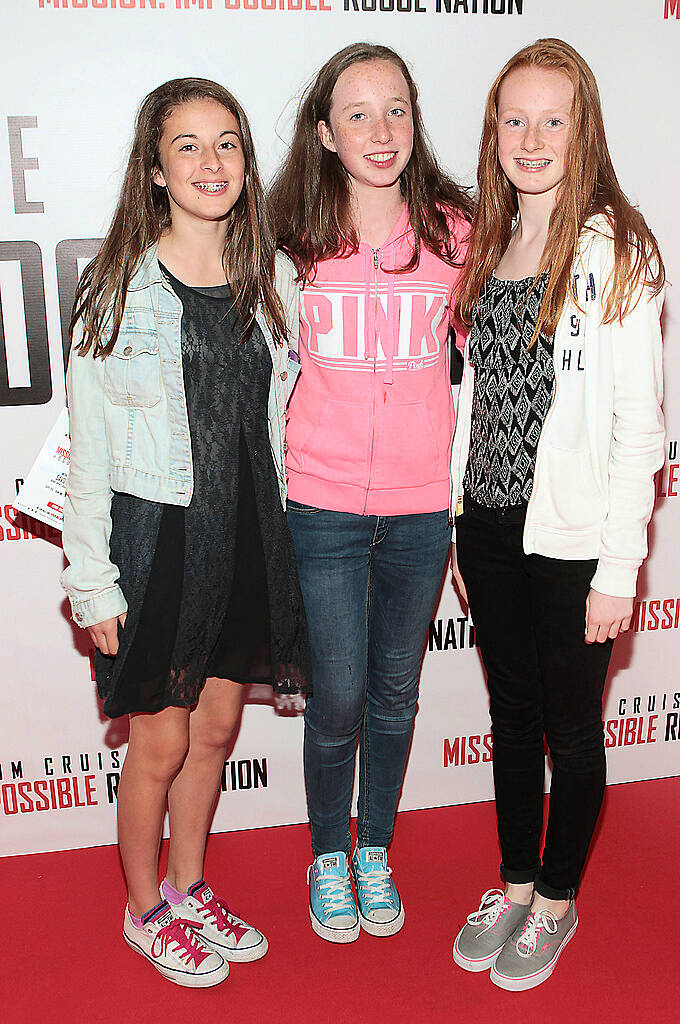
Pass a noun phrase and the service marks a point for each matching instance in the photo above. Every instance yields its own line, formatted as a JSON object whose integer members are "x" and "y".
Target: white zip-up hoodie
{"x": 603, "y": 437}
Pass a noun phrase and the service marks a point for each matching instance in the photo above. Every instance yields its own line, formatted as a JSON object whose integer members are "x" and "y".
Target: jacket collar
{"x": 148, "y": 271}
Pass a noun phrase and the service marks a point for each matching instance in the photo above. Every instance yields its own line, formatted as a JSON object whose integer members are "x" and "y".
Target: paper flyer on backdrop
{"x": 42, "y": 495}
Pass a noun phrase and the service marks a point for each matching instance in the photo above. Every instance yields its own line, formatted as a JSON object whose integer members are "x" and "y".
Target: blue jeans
{"x": 370, "y": 585}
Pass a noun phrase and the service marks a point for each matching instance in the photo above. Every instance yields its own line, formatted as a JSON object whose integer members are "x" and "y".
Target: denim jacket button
{"x": 127, "y": 351}
{"x": 284, "y": 375}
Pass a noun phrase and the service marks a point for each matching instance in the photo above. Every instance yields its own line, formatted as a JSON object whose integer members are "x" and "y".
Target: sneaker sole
{"x": 238, "y": 956}
{"x": 334, "y": 934}
{"x": 383, "y": 928}
{"x": 474, "y": 966}
{"x": 214, "y": 977}
{"x": 523, "y": 984}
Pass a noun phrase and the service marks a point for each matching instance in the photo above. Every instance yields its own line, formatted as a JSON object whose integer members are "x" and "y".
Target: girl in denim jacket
{"x": 181, "y": 564}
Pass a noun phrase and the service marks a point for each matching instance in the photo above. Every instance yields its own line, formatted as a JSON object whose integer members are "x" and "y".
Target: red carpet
{"x": 65, "y": 961}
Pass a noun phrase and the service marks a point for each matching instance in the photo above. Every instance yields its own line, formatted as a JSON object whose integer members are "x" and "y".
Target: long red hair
{"x": 589, "y": 187}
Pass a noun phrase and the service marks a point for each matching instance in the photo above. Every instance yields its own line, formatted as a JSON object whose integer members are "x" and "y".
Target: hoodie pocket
{"x": 407, "y": 450}
{"x": 333, "y": 447}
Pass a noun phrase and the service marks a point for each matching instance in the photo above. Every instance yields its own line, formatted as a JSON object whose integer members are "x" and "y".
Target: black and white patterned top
{"x": 512, "y": 392}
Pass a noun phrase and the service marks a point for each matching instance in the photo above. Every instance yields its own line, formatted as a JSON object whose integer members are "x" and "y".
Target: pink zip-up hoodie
{"x": 370, "y": 422}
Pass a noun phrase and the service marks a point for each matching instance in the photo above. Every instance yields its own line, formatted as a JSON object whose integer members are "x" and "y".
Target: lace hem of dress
{"x": 289, "y": 679}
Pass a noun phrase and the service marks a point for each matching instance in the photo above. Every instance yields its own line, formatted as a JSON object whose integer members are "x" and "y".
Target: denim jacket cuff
{"x": 105, "y": 604}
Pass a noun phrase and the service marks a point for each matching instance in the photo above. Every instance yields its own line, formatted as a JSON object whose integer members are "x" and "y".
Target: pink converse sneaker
{"x": 220, "y": 928}
{"x": 174, "y": 948}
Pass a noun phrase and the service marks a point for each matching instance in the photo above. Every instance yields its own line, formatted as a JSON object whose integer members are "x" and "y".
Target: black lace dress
{"x": 212, "y": 589}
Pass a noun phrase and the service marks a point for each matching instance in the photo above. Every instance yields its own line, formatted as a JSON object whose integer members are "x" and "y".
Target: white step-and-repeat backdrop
{"x": 71, "y": 76}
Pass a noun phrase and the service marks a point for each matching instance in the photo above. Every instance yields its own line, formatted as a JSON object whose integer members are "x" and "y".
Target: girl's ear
{"x": 326, "y": 136}
{"x": 157, "y": 177}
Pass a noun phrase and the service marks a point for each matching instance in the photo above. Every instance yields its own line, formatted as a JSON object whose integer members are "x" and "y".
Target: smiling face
{"x": 202, "y": 165}
{"x": 371, "y": 124}
{"x": 534, "y": 115}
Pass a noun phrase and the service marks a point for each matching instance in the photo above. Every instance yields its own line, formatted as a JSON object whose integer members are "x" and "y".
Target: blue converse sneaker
{"x": 381, "y": 911}
{"x": 332, "y": 909}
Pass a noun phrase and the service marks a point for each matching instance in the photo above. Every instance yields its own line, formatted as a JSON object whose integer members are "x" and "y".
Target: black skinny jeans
{"x": 544, "y": 680}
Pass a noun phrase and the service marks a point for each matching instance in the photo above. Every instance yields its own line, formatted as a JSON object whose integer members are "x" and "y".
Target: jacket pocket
{"x": 132, "y": 372}
{"x": 568, "y": 495}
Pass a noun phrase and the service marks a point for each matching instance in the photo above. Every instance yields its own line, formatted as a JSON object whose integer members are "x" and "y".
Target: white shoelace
{"x": 375, "y": 886}
{"x": 541, "y": 920}
{"x": 335, "y": 892}
{"x": 490, "y": 907}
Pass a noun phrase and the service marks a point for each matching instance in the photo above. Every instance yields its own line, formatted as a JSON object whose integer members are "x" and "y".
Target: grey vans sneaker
{"x": 529, "y": 956}
{"x": 481, "y": 939}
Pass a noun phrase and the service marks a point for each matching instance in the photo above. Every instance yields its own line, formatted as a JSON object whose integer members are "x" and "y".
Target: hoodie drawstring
{"x": 369, "y": 305}
{"x": 391, "y": 343}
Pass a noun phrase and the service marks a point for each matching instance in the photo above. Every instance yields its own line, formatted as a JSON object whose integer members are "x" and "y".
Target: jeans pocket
{"x": 305, "y": 510}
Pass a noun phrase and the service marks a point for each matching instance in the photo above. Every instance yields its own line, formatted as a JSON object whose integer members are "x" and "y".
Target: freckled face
{"x": 201, "y": 160}
{"x": 371, "y": 124}
{"x": 534, "y": 116}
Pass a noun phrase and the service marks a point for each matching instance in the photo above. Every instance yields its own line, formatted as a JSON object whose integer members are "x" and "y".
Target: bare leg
{"x": 557, "y": 907}
{"x": 192, "y": 796}
{"x": 525, "y": 895}
{"x": 520, "y": 893}
{"x": 156, "y": 751}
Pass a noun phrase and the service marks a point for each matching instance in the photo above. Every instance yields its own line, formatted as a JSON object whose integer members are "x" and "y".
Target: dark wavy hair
{"x": 143, "y": 213}
{"x": 310, "y": 196}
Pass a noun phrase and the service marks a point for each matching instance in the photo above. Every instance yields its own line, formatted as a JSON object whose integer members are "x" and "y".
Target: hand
{"x": 606, "y": 616}
{"x": 104, "y": 635}
{"x": 456, "y": 577}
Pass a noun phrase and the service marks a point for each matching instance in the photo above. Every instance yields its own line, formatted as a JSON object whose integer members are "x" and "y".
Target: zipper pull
{"x": 375, "y": 258}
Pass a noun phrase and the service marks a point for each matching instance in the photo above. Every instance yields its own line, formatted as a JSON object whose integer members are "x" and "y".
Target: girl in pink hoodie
{"x": 376, "y": 231}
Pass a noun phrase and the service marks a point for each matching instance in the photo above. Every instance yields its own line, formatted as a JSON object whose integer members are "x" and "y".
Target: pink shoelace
{"x": 181, "y": 932}
{"x": 218, "y": 912}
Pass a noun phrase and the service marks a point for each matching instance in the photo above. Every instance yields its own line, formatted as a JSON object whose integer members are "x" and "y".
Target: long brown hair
{"x": 310, "y": 196}
{"x": 589, "y": 187}
{"x": 143, "y": 213}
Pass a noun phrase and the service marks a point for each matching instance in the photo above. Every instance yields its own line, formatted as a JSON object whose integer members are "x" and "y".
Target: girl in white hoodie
{"x": 558, "y": 436}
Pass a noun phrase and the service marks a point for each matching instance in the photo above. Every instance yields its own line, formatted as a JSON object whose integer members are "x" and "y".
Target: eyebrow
{"x": 362, "y": 103}
{"x": 189, "y": 135}
{"x": 542, "y": 113}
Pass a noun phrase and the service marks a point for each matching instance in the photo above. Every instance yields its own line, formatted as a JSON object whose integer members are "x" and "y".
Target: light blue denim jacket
{"x": 130, "y": 430}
